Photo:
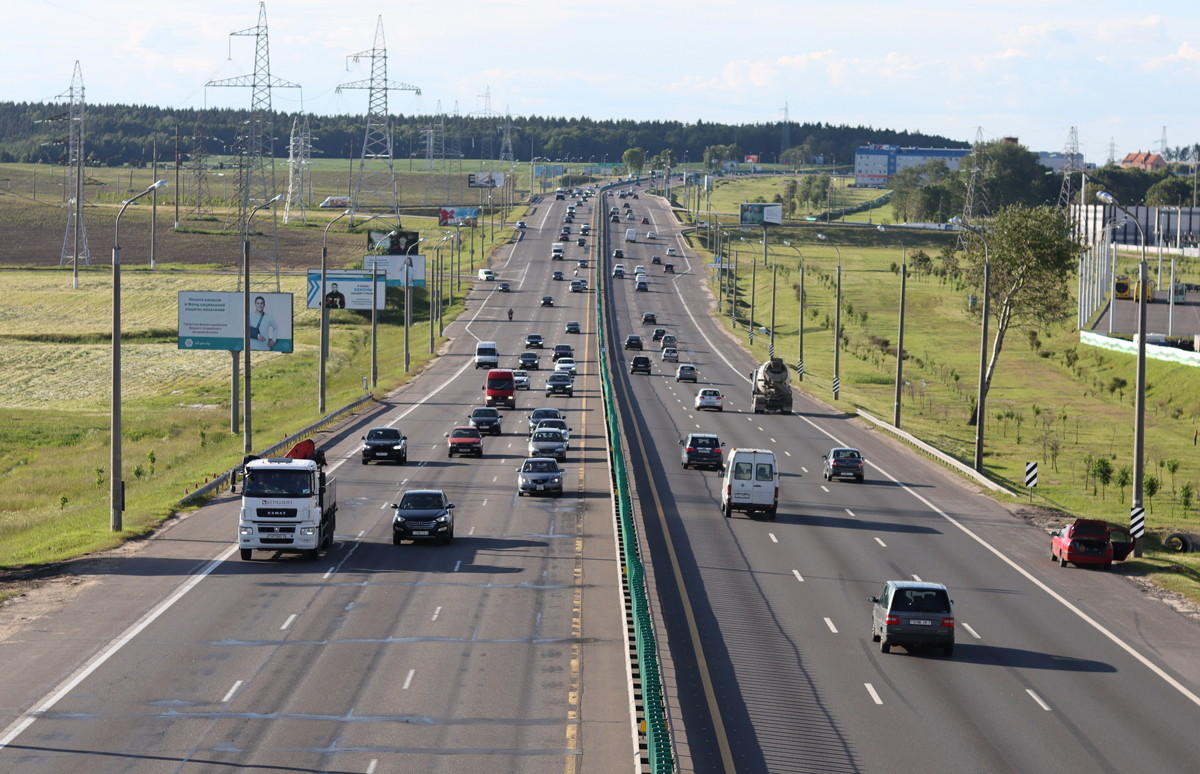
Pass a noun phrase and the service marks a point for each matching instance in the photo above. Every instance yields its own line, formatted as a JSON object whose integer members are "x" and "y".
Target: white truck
{"x": 556, "y": 251}
{"x": 288, "y": 504}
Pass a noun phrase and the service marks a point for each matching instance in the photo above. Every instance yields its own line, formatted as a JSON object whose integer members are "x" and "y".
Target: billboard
{"x": 391, "y": 242}
{"x": 752, "y": 214}
{"x": 458, "y": 216}
{"x": 549, "y": 170}
{"x": 213, "y": 320}
{"x": 750, "y": 158}
{"x": 485, "y": 180}
{"x": 346, "y": 289}
{"x": 392, "y": 268}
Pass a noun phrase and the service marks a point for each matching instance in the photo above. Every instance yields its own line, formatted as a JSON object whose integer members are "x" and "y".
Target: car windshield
{"x": 540, "y": 466}
{"x": 383, "y": 434}
{"x": 465, "y": 433}
{"x": 556, "y": 424}
{"x": 420, "y": 501}
{"x": 547, "y": 435}
{"x": 487, "y": 413}
{"x": 277, "y": 483}
{"x": 500, "y": 383}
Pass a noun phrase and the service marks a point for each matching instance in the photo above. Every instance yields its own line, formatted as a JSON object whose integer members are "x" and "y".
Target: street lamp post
{"x": 980, "y": 401}
{"x": 116, "y": 494}
{"x": 899, "y": 333}
{"x": 800, "y": 319}
{"x": 248, "y": 443}
{"x": 375, "y": 314}
{"x": 837, "y": 321}
{"x": 325, "y": 313}
{"x": 1137, "y": 521}
{"x": 408, "y": 297}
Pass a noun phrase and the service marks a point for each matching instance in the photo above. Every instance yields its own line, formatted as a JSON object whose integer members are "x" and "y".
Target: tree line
{"x": 121, "y": 135}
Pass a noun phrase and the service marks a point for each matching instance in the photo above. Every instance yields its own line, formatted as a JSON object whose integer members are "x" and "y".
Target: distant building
{"x": 1151, "y": 162}
{"x": 874, "y": 165}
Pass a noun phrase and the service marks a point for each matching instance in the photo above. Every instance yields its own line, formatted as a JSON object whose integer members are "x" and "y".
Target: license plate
{"x": 381, "y": 454}
{"x": 420, "y": 532}
{"x": 921, "y": 622}
{"x": 741, "y": 496}
{"x": 540, "y": 487}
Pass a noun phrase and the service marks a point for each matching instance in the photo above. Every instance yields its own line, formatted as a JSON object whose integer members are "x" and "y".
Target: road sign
{"x": 1031, "y": 474}
{"x": 1137, "y": 522}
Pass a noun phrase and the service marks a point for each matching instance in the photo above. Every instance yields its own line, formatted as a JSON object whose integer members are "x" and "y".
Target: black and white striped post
{"x": 1137, "y": 522}
{"x": 1030, "y": 477}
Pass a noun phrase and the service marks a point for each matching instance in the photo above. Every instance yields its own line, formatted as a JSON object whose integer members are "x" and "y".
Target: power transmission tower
{"x": 375, "y": 185}
{"x": 975, "y": 202}
{"x": 198, "y": 166}
{"x": 75, "y": 245}
{"x": 1162, "y": 144}
{"x": 486, "y": 149}
{"x": 256, "y": 159}
{"x": 1072, "y": 166}
{"x": 506, "y": 149}
{"x": 1112, "y": 150}
{"x": 299, "y": 169}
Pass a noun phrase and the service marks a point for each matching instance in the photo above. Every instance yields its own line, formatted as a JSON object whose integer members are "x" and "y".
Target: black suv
{"x": 384, "y": 443}
{"x": 486, "y": 420}
{"x": 639, "y": 364}
{"x": 633, "y": 341}
{"x": 563, "y": 350}
{"x": 560, "y": 383}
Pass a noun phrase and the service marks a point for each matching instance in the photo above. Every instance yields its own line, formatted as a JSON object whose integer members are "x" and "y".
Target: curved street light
{"x": 1137, "y": 524}
{"x": 980, "y": 400}
{"x": 116, "y": 493}
{"x": 837, "y": 321}
{"x": 248, "y": 442}
{"x": 325, "y": 312}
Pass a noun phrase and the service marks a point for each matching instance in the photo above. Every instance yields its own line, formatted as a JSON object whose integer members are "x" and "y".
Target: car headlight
{"x": 308, "y": 531}
{"x": 246, "y": 530}
{"x": 445, "y": 517}
{"x": 556, "y": 480}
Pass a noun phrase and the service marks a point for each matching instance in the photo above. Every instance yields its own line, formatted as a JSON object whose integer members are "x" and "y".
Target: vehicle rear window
{"x": 741, "y": 471}
{"x": 765, "y": 471}
{"x": 704, "y": 443}
{"x": 921, "y": 601}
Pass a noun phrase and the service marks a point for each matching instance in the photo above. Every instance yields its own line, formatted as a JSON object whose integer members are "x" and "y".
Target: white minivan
{"x": 751, "y": 483}
{"x": 487, "y": 275}
{"x": 631, "y": 235}
{"x": 487, "y": 355}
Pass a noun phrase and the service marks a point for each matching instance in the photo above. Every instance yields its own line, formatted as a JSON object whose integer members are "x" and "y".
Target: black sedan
{"x": 529, "y": 361}
{"x": 384, "y": 443}
{"x": 547, "y": 300}
{"x": 423, "y": 514}
{"x": 538, "y": 475}
{"x": 534, "y": 341}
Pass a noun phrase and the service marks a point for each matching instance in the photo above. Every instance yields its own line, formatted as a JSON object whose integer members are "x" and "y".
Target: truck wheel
{"x": 771, "y": 513}
{"x": 313, "y": 554}
{"x": 246, "y": 552}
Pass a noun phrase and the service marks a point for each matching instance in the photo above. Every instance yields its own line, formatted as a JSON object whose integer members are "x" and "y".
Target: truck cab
{"x": 289, "y": 505}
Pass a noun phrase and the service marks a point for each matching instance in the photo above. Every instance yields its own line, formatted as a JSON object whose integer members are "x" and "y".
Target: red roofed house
{"x": 1151, "y": 162}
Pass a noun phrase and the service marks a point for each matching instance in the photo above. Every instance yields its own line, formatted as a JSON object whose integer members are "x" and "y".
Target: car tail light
{"x": 948, "y": 621}
{"x": 892, "y": 620}
{"x": 689, "y": 449}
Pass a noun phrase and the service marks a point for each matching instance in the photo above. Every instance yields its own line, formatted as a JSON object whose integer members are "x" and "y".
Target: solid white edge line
{"x": 54, "y": 697}
{"x": 1038, "y": 699}
{"x": 874, "y": 695}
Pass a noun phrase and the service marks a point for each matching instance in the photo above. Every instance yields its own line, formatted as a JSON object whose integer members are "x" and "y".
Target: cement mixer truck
{"x": 769, "y": 390}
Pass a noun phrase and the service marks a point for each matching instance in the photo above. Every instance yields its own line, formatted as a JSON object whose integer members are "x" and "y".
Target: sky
{"x": 1118, "y": 72}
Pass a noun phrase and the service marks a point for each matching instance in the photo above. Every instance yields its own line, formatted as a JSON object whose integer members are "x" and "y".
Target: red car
{"x": 464, "y": 440}
{"x": 1090, "y": 541}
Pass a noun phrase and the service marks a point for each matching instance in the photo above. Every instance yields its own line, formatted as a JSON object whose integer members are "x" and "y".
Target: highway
{"x": 506, "y": 651}
{"x": 503, "y": 651}
{"x": 772, "y": 667}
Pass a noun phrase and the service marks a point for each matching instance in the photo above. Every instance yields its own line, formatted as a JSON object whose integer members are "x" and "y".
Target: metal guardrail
{"x": 227, "y": 477}
{"x": 656, "y": 730}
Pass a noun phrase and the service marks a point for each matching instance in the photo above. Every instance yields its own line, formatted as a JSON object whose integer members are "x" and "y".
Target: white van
{"x": 751, "y": 483}
{"x": 487, "y": 274}
{"x": 556, "y": 251}
{"x": 487, "y": 355}
{"x": 631, "y": 235}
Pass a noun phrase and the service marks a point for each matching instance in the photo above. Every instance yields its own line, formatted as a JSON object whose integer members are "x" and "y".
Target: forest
{"x": 121, "y": 135}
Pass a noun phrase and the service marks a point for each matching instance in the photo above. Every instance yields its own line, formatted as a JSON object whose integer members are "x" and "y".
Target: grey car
{"x": 538, "y": 475}
{"x": 912, "y": 614}
{"x": 423, "y": 514}
{"x": 560, "y": 383}
{"x": 554, "y": 423}
{"x": 548, "y": 443}
{"x": 540, "y": 414}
